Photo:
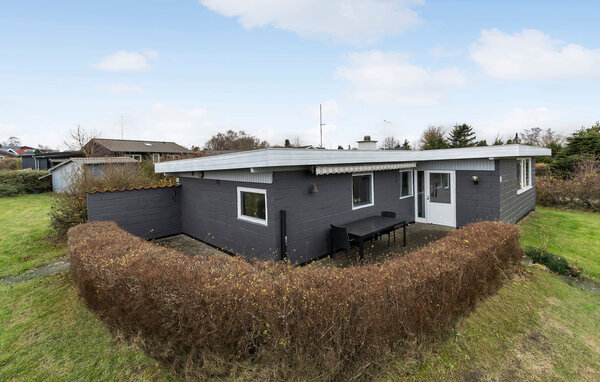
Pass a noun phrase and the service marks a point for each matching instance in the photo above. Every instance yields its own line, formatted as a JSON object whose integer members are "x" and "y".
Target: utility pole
{"x": 121, "y": 127}
{"x": 321, "y": 123}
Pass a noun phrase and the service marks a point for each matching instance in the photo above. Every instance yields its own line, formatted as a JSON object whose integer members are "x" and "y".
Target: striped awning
{"x": 342, "y": 169}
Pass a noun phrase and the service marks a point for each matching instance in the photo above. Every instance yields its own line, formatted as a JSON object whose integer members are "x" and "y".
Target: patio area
{"x": 417, "y": 235}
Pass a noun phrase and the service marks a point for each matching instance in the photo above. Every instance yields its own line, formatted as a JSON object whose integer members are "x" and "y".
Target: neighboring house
{"x": 138, "y": 150}
{"x": 14, "y": 151}
{"x": 276, "y": 203}
{"x": 44, "y": 161}
{"x": 62, "y": 174}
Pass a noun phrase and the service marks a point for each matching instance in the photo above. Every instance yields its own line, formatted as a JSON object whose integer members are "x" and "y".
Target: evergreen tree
{"x": 462, "y": 136}
{"x": 482, "y": 142}
{"x": 498, "y": 141}
{"x": 406, "y": 145}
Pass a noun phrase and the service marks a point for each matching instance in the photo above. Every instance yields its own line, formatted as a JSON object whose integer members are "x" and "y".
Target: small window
{"x": 362, "y": 190}
{"x": 523, "y": 174}
{"x": 252, "y": 205}
{"x": 155, "y": 158}
{"x": 137, "y": 157}
{"x": 406, "y": 183}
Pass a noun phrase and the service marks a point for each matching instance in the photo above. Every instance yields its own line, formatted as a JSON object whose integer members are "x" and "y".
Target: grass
{"x": 574, "y": 235}
{"x": 24, "y": 223}
{"x": 536, "y": 328}
{"x": 48, "y": 334}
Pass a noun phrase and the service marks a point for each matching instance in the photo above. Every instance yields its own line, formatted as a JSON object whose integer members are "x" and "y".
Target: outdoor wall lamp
{"x": 475, "y": 179}
{"x": 313, "y": 189}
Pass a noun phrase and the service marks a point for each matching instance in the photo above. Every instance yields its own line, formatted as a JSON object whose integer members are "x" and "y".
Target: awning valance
{"x": 342, "y": 169}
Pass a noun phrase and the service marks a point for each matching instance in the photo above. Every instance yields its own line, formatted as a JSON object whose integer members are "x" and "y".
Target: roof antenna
{"x": 321, "y": 124}
{"x": 121, "y": 127}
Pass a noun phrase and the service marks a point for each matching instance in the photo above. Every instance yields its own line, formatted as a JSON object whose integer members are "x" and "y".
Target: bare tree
{"x": 390, "y": 143}
{"x": 433, "y": 138}
{"x": 232, "y": 140}
{"x": 11, "y": 141}
{"x": 78, "y": 138}
{"x": 551, "y": 137}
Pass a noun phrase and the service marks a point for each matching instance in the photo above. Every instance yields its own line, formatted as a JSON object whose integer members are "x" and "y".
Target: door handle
{"x": 427, "y": 197}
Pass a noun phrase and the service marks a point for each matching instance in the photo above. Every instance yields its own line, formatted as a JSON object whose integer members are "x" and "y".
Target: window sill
{"x": 362, "y": 206}
{"x": 253, "y": 220}
{"x": 522, "y": 190}
{"x": 407, "y": 196}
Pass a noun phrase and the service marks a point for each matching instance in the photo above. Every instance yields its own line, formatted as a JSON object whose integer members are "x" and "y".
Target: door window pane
{"x": 421, "y": 194}
{"x": 439, "y": 188}
{"x": 361, "y": 190}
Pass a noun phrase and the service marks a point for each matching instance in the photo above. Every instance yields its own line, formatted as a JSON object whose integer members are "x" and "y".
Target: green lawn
{"x": 24, "y": 223}
{"x": 575, "y": 235}
{"x": 48, "y": 334}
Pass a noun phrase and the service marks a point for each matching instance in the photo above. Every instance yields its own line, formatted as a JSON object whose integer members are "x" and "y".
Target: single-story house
{"x": 15, "y": 151}
{"x": 138, "y": 150}
{"x": 276, "y": 203}
{"x": 63, "y": 172}
{"x": 45, "y": 161}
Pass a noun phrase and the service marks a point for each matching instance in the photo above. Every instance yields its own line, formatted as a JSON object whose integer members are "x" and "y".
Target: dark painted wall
{"x": 309, "y": 216}
{"x": 209, "y": 213}
{"x": 28, "y": 162}
{"x": 513, "y": 206}
{"x": 477, "y": 202}
{"x": 149, "y": 213}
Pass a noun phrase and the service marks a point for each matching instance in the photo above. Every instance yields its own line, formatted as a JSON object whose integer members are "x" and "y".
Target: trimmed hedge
{"x": 16, "y": 182}
{"x": 326, "y": 322}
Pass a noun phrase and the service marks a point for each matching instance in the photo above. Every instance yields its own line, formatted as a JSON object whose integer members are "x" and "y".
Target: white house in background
{"x": 63, "y": 172}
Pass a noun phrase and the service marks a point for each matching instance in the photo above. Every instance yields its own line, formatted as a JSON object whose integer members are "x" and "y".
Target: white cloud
{"x": 438, "y": 52}
{"x": 124, "y": 89}
{"x": 124, "y": 61}
{"x": 519, "y": 119}
{"x": 390, "y": 78}
{"x": 533, "y": 55}
{"x": 348, "y": 21}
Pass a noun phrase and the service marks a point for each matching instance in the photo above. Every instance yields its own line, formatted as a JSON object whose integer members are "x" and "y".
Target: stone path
{"x": 52, "y": 268}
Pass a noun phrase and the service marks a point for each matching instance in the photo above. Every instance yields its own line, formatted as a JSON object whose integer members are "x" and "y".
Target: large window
{"x": 252, "y": 205}
{"x": 362, "y": 190}
{"x": 155, "y": 158}
{"x": 523, "y": 174}
{"x": 406, "y": 183}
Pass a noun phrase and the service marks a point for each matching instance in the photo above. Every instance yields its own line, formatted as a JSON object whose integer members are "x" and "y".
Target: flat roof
{"x": 283, "y": 157}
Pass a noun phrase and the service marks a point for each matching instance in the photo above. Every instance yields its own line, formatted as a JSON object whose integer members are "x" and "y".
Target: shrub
{"x": 15, "y": 182}
{"x": 11, "y": 164}
{"x": 70, "y": 206}
{"x": 325, "y": 322}
{"x": 554, "y": 262}
{"x": 582, "y": 190}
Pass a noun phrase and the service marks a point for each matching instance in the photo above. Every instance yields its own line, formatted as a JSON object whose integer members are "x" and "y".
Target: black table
{"x": 367, "y": 228}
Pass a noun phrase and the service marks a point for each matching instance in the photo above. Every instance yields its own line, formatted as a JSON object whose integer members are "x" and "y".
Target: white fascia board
{"x": 301, "y": 157}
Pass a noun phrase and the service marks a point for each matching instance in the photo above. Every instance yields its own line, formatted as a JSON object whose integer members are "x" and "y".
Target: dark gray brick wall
{"x": 150, "y": 213}
{"x": 309, "y": 216}
{"x": 209, "y": 212}
{"x": 477, "y": 202}
{"x": 513, "y": 206}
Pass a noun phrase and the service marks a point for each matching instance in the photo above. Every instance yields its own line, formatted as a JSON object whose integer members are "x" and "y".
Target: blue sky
{"x": 184, "y": 70}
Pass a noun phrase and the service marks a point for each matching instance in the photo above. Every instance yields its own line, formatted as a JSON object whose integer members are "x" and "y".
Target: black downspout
{"x": 283, "y": 234}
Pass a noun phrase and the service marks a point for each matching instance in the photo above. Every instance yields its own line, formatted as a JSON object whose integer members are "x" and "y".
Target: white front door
{"x": 436, "y": 197}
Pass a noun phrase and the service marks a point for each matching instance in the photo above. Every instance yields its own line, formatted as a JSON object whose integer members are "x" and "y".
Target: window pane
{"x": 439, "y": 188}
{"x": 361, "y": 190}
{"x": 527, "y": 174}
{"x": 253, "y": 205}
{"x": 406, "y": 187}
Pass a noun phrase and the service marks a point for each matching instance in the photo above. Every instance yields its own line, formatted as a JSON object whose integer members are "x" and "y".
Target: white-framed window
{"x": 155, "y": 158}
{"x": 406, "y": 184}
{"x": 137, "y": 157}
{"x": 523, "y": 174}
{"x": 252, "y": 205}
{"x": 362, "y": 190}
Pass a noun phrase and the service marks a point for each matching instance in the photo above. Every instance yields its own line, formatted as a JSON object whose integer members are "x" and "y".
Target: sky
{"x": 185, "y": 70}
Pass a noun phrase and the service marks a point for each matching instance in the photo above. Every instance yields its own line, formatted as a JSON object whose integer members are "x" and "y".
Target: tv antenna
{"x": 321, "y": 124}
